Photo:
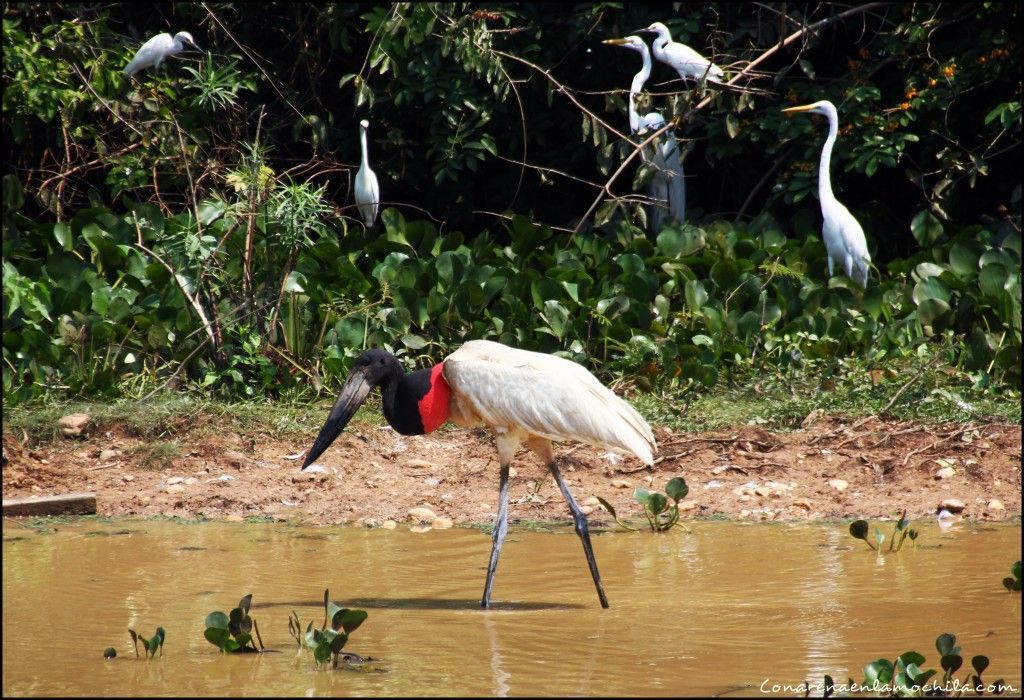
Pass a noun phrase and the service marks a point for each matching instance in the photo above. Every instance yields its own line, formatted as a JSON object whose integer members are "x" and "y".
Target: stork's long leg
{"x": 500, "y": 529}
{"x": 544, "y": 449}
{"x": 506, "y": 451}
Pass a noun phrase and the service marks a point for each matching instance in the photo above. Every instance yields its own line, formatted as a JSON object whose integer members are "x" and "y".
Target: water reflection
{"x": 720, "y": 610}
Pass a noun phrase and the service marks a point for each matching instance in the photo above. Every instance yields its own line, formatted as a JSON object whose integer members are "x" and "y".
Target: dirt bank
{"x": 372, "y": 474}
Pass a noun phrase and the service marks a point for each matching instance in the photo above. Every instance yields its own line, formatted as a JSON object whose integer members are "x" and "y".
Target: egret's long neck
{"x": 658, "y": 46}
{"x": 362, "y": 140}
{"x": 824, "y": 180}
{"x": 636, "y": 88}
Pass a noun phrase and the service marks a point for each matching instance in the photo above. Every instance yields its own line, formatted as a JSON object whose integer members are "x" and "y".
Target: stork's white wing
{"x": 544, "y": 395}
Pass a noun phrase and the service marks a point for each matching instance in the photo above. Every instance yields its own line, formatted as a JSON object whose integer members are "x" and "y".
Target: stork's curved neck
{"x": 637, "y": 87}
{"x": 362, "y": 141}
{"x": 824, "y": 180}
{"x": 416, "y": 402}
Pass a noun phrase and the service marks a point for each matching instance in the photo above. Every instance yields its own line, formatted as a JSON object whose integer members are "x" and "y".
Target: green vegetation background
{"x": 195, "y": 229}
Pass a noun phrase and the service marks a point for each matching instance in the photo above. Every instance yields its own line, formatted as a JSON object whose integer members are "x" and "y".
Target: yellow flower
{"x": 904, "y": 106}
{"x": 949, "y": 70}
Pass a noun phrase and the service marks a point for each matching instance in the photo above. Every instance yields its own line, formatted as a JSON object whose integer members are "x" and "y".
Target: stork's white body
{"x": 367, "y": 187}
{"x": 534, "y": 397}
{"x": 154, "y": 51}
{"x": 689, "y": 64}
{"x": 524, "y": 397}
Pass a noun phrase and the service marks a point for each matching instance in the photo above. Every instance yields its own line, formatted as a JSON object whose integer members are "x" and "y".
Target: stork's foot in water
{"x": 582, "y": 530}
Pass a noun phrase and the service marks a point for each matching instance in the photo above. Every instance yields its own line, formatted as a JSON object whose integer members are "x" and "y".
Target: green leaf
{"x": 992, "y": 279}
{"x": 931, "y": 310}
{"x": 980, "y": 663}
{"x": 607, "y": 506}
{"x": 879, "y": 672}
{"x": 926, "y": 228}
{"x": 217, "y": 636}
{"x": 951, "y": 663}
{"x": 859, "y": 529}
{"x": 62, "y": 232}
{"x": 657, "y": 503}
{"x": 911, "y": 657}
{"x": 352, "y": 619}
{"x": 677, "y": 489}
{"x": 217, "y": 620}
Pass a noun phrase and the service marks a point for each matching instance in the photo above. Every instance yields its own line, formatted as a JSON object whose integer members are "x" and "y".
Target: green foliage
{"x": 901, "y": 531}
{"x": 149, "y": 646}
{"x": 234, "y": 632}
{"x": 327, "y": 644}
{"x": 905, "y": 676}
{"x": 191, "y": 225}
{"x": 1013, "y": 584}
{"x": 660, "y": 515}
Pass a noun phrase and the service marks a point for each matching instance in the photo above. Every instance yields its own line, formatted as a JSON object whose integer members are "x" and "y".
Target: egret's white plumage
{"x": 843, "y": 235}
{"x": 689, "y": 64}
{"x": 154, "y": 51}
{"x": 367, "y": 188}
{"x": 668, "y": 185}
{"x": 533, "y": 395}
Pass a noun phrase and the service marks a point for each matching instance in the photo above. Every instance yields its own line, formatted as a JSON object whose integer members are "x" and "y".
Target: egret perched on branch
{"x": 844, "y": 238}
{"x": 524, "y": 397}
{"x": 689, "y": 64}
{"x": 668, "y": 185}
{"x": 154, "y": 51}
{"x": 367, "y": 188}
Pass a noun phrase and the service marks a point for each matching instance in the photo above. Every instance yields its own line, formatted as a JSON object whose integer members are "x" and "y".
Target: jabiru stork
{"x": 523, "y": 396}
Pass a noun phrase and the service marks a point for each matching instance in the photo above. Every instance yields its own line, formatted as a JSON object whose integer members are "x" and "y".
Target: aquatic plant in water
{"x": 149, "y": 645}
{"x": 328, "y": 643}
{"x": 859, "y": 530}
{"x": 1013, "y": 584}
{"x": 905, "y": 678}
{"x": 660, "y": 516}
{"x": 234, "y": 632}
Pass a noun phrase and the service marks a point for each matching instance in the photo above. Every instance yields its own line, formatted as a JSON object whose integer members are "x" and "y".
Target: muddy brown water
{"x": 728, "y": 608}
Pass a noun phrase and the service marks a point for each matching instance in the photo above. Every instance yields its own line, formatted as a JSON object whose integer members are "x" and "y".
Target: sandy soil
{"x": 372, "y": 474}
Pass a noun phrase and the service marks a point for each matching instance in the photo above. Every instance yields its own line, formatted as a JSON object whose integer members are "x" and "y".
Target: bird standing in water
{"x": 524, "y": 397}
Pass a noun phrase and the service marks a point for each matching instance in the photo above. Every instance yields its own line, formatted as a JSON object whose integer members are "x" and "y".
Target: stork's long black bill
{"x": 352, "y": 395}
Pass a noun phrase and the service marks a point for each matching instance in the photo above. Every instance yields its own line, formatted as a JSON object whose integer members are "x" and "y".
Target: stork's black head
{"x": 377, "y": 367}
{"x": 372, "y": 368}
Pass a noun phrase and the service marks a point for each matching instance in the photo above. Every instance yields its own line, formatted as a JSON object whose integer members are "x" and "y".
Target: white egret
{"x": 844, "y": 238}
{"x": 154, "y": 51}
{"x": 367, "y": 188}
{"x": 689, "y": 64}
{"x": 524, "y": 397}
{"x": 667, "y": 186}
